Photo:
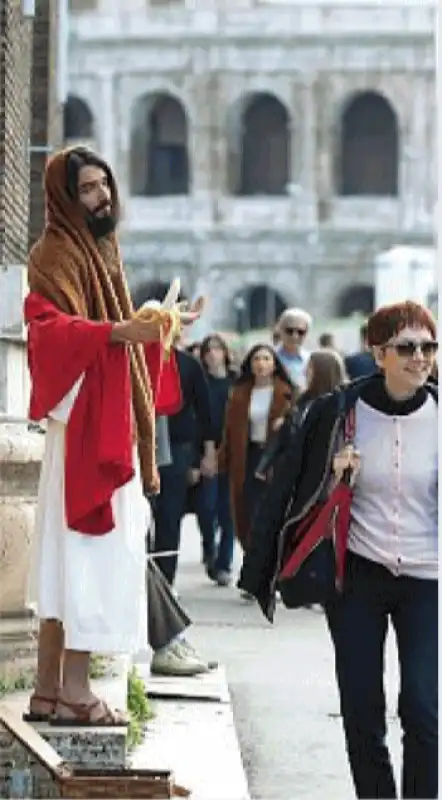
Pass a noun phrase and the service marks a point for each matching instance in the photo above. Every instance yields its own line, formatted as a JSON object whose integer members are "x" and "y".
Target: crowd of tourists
{"x": 322, "y": 469}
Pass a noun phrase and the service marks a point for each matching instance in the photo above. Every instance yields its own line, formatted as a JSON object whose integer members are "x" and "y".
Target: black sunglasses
{"x": 409, "y": 349}
{"x": 299, "y": 331}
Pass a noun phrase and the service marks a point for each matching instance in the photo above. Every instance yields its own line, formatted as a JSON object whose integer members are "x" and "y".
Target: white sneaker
{"x": 173, "y": 661}
{"x": 187, "y": 649}
{"x": 223, "y": 578}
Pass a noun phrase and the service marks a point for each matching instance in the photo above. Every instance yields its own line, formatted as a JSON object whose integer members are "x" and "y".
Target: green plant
{"x": 139, "y": 707}
{"x": 100, "y": 667}
{"x": 17, "y": 681}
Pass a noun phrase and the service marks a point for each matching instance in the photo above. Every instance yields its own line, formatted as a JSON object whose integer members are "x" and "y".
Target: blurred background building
{"x": 267, "y": 150}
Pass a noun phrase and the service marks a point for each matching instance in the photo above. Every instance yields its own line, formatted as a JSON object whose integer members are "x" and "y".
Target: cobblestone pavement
{"x": 282, "y": 683}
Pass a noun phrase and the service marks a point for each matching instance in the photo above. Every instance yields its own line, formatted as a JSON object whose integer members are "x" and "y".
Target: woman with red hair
{"x": 391, "y": 541}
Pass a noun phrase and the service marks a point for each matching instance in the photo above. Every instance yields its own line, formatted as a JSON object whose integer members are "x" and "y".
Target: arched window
{"x": 264, "y": 162}
{"x": 78, "y": 120}
{"x": 356, "y": 299}
{"x": 159, "y": 147}
{"x": 257, "y": 307}
{"x": 369, "y": 147}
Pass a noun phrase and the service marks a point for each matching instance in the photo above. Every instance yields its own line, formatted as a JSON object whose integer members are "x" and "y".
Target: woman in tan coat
{"x": 260, "y": 399}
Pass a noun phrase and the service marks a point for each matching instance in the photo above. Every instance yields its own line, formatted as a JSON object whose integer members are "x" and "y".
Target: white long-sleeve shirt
{"x": 394, "y": 512}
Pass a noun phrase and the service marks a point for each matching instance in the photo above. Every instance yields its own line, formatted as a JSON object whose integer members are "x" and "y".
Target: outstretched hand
{"x": 190, "y": 314}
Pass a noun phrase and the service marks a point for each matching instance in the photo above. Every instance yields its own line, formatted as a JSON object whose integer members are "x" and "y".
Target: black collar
{"x": 374, "y": 393}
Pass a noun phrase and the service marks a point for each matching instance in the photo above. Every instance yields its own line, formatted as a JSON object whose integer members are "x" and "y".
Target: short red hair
{"x": 388, "y": 321}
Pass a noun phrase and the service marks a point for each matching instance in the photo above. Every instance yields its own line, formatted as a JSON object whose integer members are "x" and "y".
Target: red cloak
{"x": 98, "y": 454}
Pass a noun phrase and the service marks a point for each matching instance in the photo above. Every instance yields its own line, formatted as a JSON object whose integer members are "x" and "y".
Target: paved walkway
{"x": 282, "y": 684}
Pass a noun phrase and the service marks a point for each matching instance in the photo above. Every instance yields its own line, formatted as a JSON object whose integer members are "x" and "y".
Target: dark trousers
{"x": 170, "y": 505}
{"x": 359, "y": 621}
{"x": 253, "y": 487}
{"x": 212, "y": 509}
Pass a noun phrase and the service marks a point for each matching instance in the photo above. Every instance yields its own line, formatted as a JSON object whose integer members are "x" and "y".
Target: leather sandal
{"x": 40, "y": 716}
{"x": 82, "y": 716}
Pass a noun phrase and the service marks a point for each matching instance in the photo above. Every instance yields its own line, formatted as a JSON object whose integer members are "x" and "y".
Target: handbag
{"x": 313, "y": 567}
{"x": 166, "y": 619}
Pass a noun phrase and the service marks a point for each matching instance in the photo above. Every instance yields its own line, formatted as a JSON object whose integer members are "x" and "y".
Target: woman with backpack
{"x": 390, "y": 545}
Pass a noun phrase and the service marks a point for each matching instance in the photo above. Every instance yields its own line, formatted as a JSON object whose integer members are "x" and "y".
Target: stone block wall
{"x": 15, "y": 63}
{"x": 46, "y": 125}
{"x": 22, "y": 776}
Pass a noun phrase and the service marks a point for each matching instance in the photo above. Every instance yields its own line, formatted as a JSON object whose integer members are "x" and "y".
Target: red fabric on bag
{"x": 316, "y": 528}
{"x": 98, "y": 457}
{"x": 316, "y": 525}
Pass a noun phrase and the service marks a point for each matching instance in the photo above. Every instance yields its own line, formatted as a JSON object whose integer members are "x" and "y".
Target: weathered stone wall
{"x": 46, "y": 127}
{"x": 25, "y": 100}
{"x": 15, "y": 61}
{"x": 312, "y": 245}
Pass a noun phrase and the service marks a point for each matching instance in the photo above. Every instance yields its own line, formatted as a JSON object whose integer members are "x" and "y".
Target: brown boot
{"x": 49, "y": 665}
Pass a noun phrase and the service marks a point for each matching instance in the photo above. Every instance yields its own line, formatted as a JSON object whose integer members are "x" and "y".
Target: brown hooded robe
{"x": 84, "y": 277}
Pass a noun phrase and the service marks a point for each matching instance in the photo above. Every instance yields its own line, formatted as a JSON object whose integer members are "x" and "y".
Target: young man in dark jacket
{"x": 191, "y": 424}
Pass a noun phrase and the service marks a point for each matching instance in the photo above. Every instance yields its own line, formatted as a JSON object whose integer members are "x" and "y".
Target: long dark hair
{"x": 85, "y": 157}
{"x": 245, "y": 370}
{"x": 327, "y": 373}
{"x": 206, "y": 344}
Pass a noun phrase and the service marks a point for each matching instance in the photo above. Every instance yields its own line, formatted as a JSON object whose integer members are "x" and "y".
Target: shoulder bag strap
{"x": 350, "y": 426}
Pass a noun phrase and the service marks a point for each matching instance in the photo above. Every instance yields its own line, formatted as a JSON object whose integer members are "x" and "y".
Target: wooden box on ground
{"x": 30, "y": 767}
{"x": 83, "y": 784}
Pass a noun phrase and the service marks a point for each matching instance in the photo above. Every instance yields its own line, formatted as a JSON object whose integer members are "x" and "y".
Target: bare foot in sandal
{"x": 77, "y": 705}
{"x": 41, "y": 708}
{"x": 94, "y": 713}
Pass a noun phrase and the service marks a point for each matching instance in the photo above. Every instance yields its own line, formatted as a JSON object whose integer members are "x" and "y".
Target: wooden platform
{"x": 29, "y": 754}
{"x": 211, "y": 687}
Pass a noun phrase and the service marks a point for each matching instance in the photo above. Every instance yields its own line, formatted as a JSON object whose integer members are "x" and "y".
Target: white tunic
{"x": 95, "y": 585}
{"x": 394, "y": 512}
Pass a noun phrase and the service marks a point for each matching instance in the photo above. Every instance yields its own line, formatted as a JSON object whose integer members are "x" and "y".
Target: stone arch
{"x": 356, "y": 299}
{"x": 159, "y": 155}
{"x": 368, "y": 157}
{"x": 78, "y": 120}
{"x": 256, "y": 307}
{"x": 151, "y": 290}
{"x": 259, "y": 147}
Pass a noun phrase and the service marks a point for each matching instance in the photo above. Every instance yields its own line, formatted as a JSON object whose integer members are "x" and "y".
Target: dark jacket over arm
{"x": 300, "y": 480}
{"x": 297, "y": 476}
{"x": 280, "y": 441}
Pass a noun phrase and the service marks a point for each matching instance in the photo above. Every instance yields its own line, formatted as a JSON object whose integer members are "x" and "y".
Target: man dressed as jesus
{"x": 89, "y": 378}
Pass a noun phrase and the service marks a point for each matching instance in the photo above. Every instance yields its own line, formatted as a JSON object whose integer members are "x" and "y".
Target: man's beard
{"x": 98, "y": 225}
